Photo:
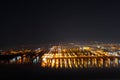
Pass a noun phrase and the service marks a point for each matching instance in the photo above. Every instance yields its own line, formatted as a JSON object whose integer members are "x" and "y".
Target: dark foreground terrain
{"x": 35, "y": 72}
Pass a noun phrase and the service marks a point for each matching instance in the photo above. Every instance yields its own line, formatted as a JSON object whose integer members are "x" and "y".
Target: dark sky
{"x": 28, "y": 22}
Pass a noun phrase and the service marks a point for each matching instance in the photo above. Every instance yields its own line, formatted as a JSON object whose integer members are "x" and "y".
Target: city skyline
{"x": 27, "y": 22}
{"x": 60, "y": 40}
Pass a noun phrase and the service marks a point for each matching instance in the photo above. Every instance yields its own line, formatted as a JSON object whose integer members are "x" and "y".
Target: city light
{"x": 66, "y": 56}
{"x": 86, "y": 57}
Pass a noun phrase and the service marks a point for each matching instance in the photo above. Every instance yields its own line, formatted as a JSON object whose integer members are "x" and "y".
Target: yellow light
{"x": 44, "y": 59}
{"x": 86, "y": 48}
{"x": 53, "y": 63}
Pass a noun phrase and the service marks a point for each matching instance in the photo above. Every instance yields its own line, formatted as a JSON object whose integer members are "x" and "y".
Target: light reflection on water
{"x": 67, "y": 62}
{"x": 20, "y": 60}
{"x": 80, "y": 63}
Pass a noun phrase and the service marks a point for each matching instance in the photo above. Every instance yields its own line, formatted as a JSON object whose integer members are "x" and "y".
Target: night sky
{"x": 28, "y": 22}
